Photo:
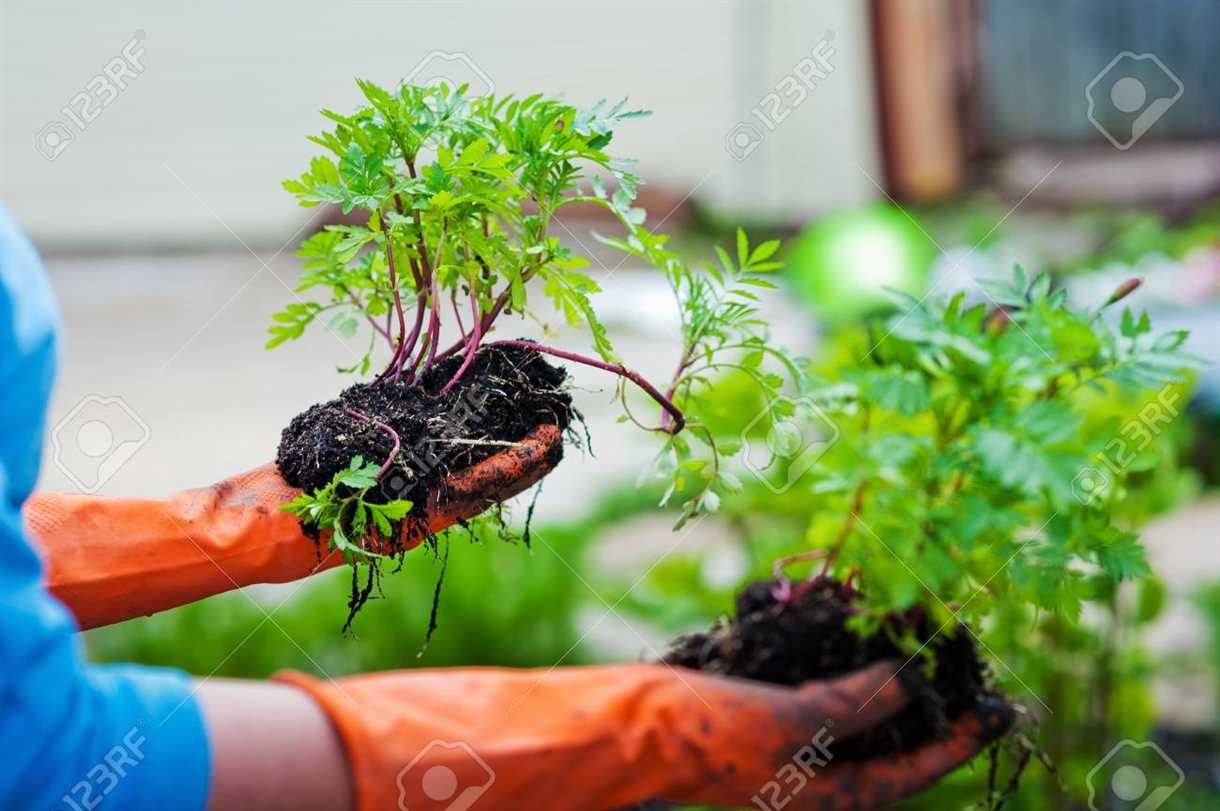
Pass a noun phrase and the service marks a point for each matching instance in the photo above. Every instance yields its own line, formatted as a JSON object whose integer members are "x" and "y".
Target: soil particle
{"x": 806, "y": 638}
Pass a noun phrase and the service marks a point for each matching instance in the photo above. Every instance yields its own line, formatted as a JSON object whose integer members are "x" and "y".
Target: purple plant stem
{"x": 412, "y": 338}
{"x": 421, "y": 282}
{"x": 683, "y": 364}
{"x": 458, "y": 316}
{"x": 414, "y": 369}
{"x": 434, "y": 326}
{"x": 857, "y": 506}
{"x": 679, "y": 419}
{"x": 407, "y": 347}
{"x": 395, "y": 361}
{"x": 472, "y": 344}
{"x": 484, "y": 326}
{"x": 427, "y": 284}
{"x": 496, "y": 308}
{"x": 783, "y": 590}
{"x": 351, "y": 412}
{"x": 407, "y": 344}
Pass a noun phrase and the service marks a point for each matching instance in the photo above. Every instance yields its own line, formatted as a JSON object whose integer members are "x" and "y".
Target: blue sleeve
{"x": 76, "y": 737}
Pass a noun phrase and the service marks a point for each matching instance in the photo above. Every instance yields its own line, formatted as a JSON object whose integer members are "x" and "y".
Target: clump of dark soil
{"x": 506, "y": 392}
{"x": 806, "y": 638}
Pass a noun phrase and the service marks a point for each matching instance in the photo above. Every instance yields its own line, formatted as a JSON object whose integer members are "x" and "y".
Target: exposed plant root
{"x": 359, "y": 596}
{"x": 529, "y": 514}
{"x": 574, "y": 438}
{"x": 1025, "y": 750}
{"x": 436, "y": 600}
{"x": 498, "y": 443}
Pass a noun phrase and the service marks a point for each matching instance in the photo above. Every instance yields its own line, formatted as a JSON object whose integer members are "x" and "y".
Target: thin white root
{"x": 497, "y": 442}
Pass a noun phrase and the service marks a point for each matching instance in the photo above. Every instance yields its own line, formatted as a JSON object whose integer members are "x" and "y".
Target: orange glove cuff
{"x": 543, "y": 740}
{"x": 110, "y": 559}
{"x": 604, "y": 737}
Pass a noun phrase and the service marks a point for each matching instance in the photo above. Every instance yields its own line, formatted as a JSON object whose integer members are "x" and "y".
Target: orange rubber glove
{"x": 111, "y": 559}
{"x": 606, "y": 737}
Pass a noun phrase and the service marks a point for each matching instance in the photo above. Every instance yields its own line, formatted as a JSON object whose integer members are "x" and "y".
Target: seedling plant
{"x": 963, "y": 452}
{"x": 458, "y": 200}
{"x": 973, "y": 494}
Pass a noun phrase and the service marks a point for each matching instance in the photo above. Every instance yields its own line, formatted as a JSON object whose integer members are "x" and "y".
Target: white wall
{"x": 201, "y": 139}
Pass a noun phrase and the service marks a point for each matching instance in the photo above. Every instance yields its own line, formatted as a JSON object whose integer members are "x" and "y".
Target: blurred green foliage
{"x": 1102, "y": 235}
{"x": 1082, "y": 673}
{"x": 1126, "y": 238}
{"x": 501, "y": 604}
{"x": 1207, "y": 600}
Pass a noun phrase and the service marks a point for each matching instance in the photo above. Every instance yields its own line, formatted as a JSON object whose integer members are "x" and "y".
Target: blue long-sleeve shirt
{"x": 75, "y": 736}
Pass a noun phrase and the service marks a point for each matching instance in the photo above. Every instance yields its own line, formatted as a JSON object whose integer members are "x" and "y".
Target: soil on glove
{"x": 506, "y": 392}
{"x": 806, "y": 638}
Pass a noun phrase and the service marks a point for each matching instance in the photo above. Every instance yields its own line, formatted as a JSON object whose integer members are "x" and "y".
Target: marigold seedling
{"x": 460, "y": 198}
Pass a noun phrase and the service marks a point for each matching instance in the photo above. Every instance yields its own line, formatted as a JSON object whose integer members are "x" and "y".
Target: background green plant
{"x": 1073, "y": 643}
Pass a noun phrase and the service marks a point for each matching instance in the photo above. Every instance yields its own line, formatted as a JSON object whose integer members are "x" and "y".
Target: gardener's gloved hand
{"x": 606, "y": 737}
{"x": 111, "y": 559}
